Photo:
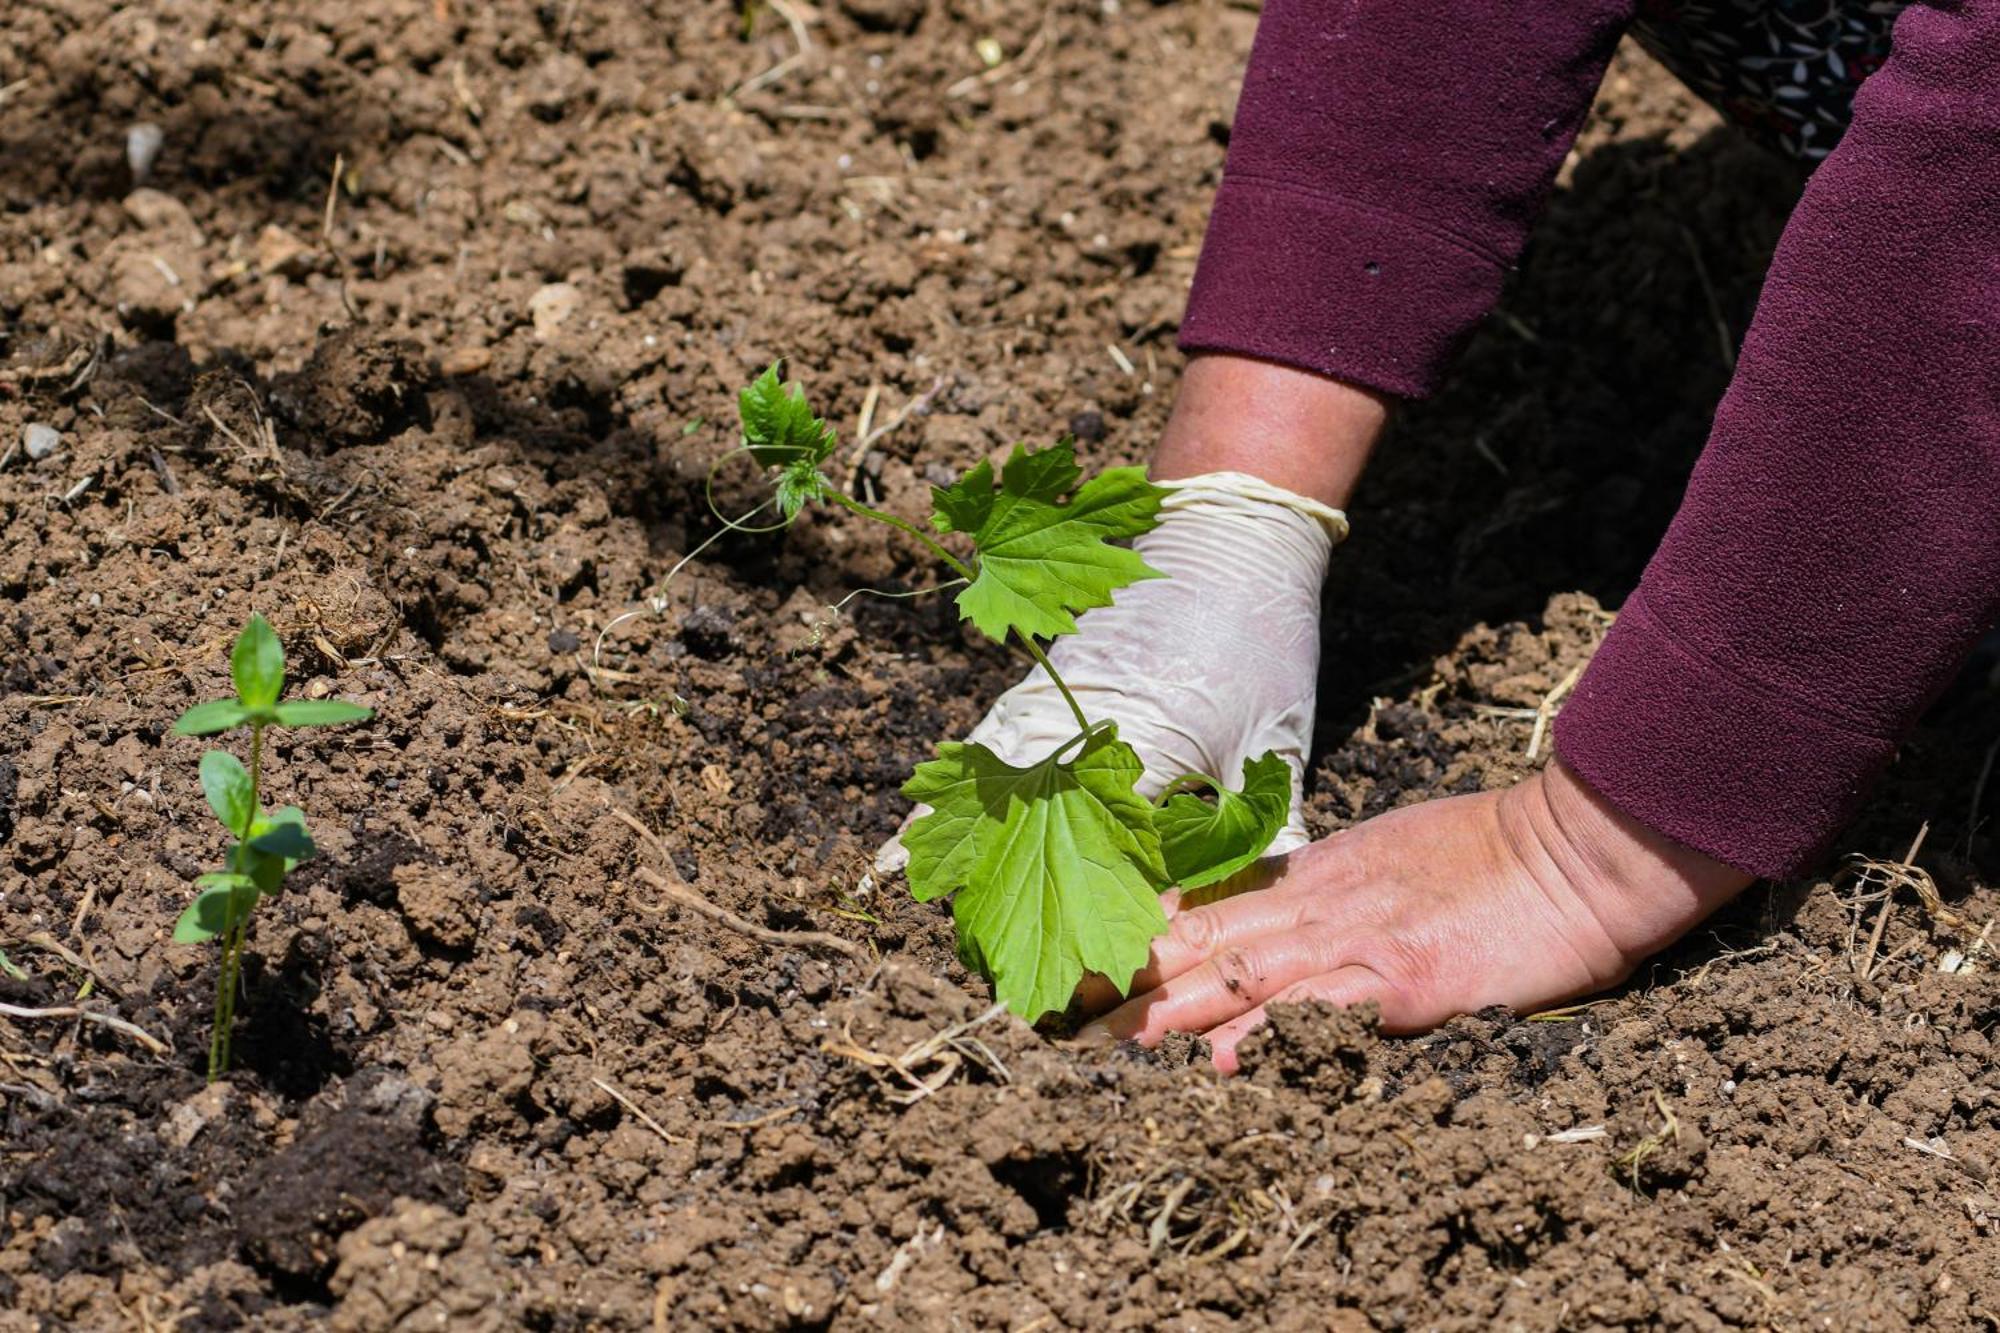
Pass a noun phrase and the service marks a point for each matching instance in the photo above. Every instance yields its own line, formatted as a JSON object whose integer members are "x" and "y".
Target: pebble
{"x": 156, "y": 210}
{"x": 278, "y": 251}
{"x": 40, "y": 440}
{"x": 553, "y": 304}
{"x": 466, "y": 360}
{"x": 142, "y": 148}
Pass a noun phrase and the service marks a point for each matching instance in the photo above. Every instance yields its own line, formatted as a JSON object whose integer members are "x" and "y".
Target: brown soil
{"x": 495, "y": 1077}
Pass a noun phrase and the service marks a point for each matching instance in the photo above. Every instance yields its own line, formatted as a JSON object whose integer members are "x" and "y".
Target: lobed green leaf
{"x": 1206, "y": 844}
{"x": 230, "y": 793}
{"x": 780, "y": 431}
{"x": 319, "y": 713}
{"x": 1056, "y": 867}
{"x": 1039, "y": 560}
{"x": 257, "y": 665}
{"x": 211, "y": 717}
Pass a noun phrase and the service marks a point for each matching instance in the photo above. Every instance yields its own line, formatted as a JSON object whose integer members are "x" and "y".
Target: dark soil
{"x": 491, "y": 1076}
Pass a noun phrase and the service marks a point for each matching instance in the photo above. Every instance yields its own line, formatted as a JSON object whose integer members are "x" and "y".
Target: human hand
{"x": 1204, "y": 669}
{"x": 1524, "y": 897}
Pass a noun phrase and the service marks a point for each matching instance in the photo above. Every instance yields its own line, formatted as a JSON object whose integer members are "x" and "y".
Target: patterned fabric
{"x": 1785, "y": 70}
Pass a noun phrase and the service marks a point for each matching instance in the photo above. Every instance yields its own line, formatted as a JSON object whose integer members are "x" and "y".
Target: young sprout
{"x": 268, "y": 844}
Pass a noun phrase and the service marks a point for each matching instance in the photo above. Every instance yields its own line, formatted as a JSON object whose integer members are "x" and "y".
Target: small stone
{"x": 278, "y": 251}
{"x": 156, "y": 210}
{"x": 1087, "y": 425}
{"x": 186, "y": 1120}
{"x": 142, "y": 148}
{"x": 149, "y": 286}
{"x": 563, "y": 642}
{"x": 550, "y": 306}
{"x": 466, "y": 360}
{"x": 40, "y": 440}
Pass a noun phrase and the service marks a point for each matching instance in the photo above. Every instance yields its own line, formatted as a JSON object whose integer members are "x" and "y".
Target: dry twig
{"x": 793, "y": 939}
{"x": 132, "y": 1030}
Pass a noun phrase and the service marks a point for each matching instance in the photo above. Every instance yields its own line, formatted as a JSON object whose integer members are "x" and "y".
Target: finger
{"x": 1344, "y": 986}
{"x": 1233, "y": 982}
{"x": 1095, "y": 993}
{"x": 1197, "y": 934}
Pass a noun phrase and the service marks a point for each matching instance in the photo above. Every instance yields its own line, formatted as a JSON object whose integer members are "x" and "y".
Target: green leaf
{"x": 1056, "y": 867}
{"x": 258, "y": 665}
{"x": 963, "y": 505}
{"x": 1039, "y": 561}
{"x": 319, "y": 713}
{"x": 230, "y": 794}
{"x": 798, "y": 484}
{"x": 209, "y": 718}
{"x": 1205, "y": 844}
{"x": 781, "y": 432}
{"x": 223, "y": 901}
{"x": 283, "y": 835}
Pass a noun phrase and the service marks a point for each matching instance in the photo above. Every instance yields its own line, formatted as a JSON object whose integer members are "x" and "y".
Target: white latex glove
{"x": 1201, "y": 670}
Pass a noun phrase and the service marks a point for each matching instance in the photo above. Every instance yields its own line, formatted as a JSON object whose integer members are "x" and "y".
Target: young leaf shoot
{"x": 267, "y": 846}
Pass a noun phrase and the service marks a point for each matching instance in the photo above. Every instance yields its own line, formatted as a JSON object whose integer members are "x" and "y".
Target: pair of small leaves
{"x": 781, "y": 432}
{"x": 1041, "y": 560}
{"x": 278, "y": 842}
{"x": 1058, "y": 866}
{"x": 257, "y": 668}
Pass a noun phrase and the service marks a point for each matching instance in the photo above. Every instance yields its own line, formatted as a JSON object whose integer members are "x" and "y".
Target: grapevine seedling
{"x": 1054, "y": 869}
{"x": 269, "y": 844}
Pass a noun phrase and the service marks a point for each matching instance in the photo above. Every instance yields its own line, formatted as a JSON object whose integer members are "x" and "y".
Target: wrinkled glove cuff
{"x": 1243, "y": 486}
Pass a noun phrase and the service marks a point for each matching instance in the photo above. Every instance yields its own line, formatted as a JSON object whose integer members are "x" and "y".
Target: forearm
{"x": 1304, "y": 432}
{"x": 1386, "y": 162}
{"x": 1838, "y": 551}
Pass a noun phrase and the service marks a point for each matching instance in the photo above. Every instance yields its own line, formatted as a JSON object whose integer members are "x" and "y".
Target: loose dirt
{"x": 450, "y": 425}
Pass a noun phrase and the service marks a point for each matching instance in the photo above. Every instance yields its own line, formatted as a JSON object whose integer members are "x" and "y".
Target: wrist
{"x": 1303, "y": 432}
{"x": 1643, "y": 889}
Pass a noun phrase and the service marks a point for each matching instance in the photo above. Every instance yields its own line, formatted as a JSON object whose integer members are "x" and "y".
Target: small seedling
{"x": 269, "y": 844}
{"x": 1055, "y": 869}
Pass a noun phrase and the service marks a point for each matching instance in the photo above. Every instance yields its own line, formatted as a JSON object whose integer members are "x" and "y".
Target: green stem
{"x": 235, "y": 929}
{"x": 967, "y": 573}
{"x": 216, "y": 1028}
{"x": 962, "y": 569}
{"x": 1042, "y": 660}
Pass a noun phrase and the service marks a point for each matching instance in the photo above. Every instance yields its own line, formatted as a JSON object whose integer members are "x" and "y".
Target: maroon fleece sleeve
{"x": 1838, "y": 551}
{"x": 1837, "y": 554}
{"x": 1387, "y": 160}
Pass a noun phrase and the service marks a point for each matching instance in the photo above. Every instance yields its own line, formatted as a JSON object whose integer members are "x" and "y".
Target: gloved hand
{"x": 1201, "y": 670}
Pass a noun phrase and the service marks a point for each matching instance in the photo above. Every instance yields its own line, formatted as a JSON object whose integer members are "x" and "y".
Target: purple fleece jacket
{"x": 1837, "y": 554}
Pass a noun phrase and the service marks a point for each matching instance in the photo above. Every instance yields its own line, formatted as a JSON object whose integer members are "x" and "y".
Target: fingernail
{"x": 1092, "y": 1035}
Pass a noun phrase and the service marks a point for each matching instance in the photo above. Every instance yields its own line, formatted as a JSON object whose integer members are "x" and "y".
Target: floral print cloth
{"x": 1785, "y": 70}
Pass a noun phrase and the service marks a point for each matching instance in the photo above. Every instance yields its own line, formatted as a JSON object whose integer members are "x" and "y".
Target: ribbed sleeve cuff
{"x": 1706, "y": 756}
{"x": 1336, "y": 287}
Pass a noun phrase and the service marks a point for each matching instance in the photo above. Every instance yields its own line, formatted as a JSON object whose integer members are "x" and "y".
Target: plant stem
{"x": 216, "y": 1059}
{"x": 967, "y": 573}
{"x": 959, "y": 567}
{"x": 1042, "y": 660}
{"x": 234, "y": 929}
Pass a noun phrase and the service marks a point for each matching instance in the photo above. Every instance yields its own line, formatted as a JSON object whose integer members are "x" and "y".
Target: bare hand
{"x": 1524, "y": 898}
